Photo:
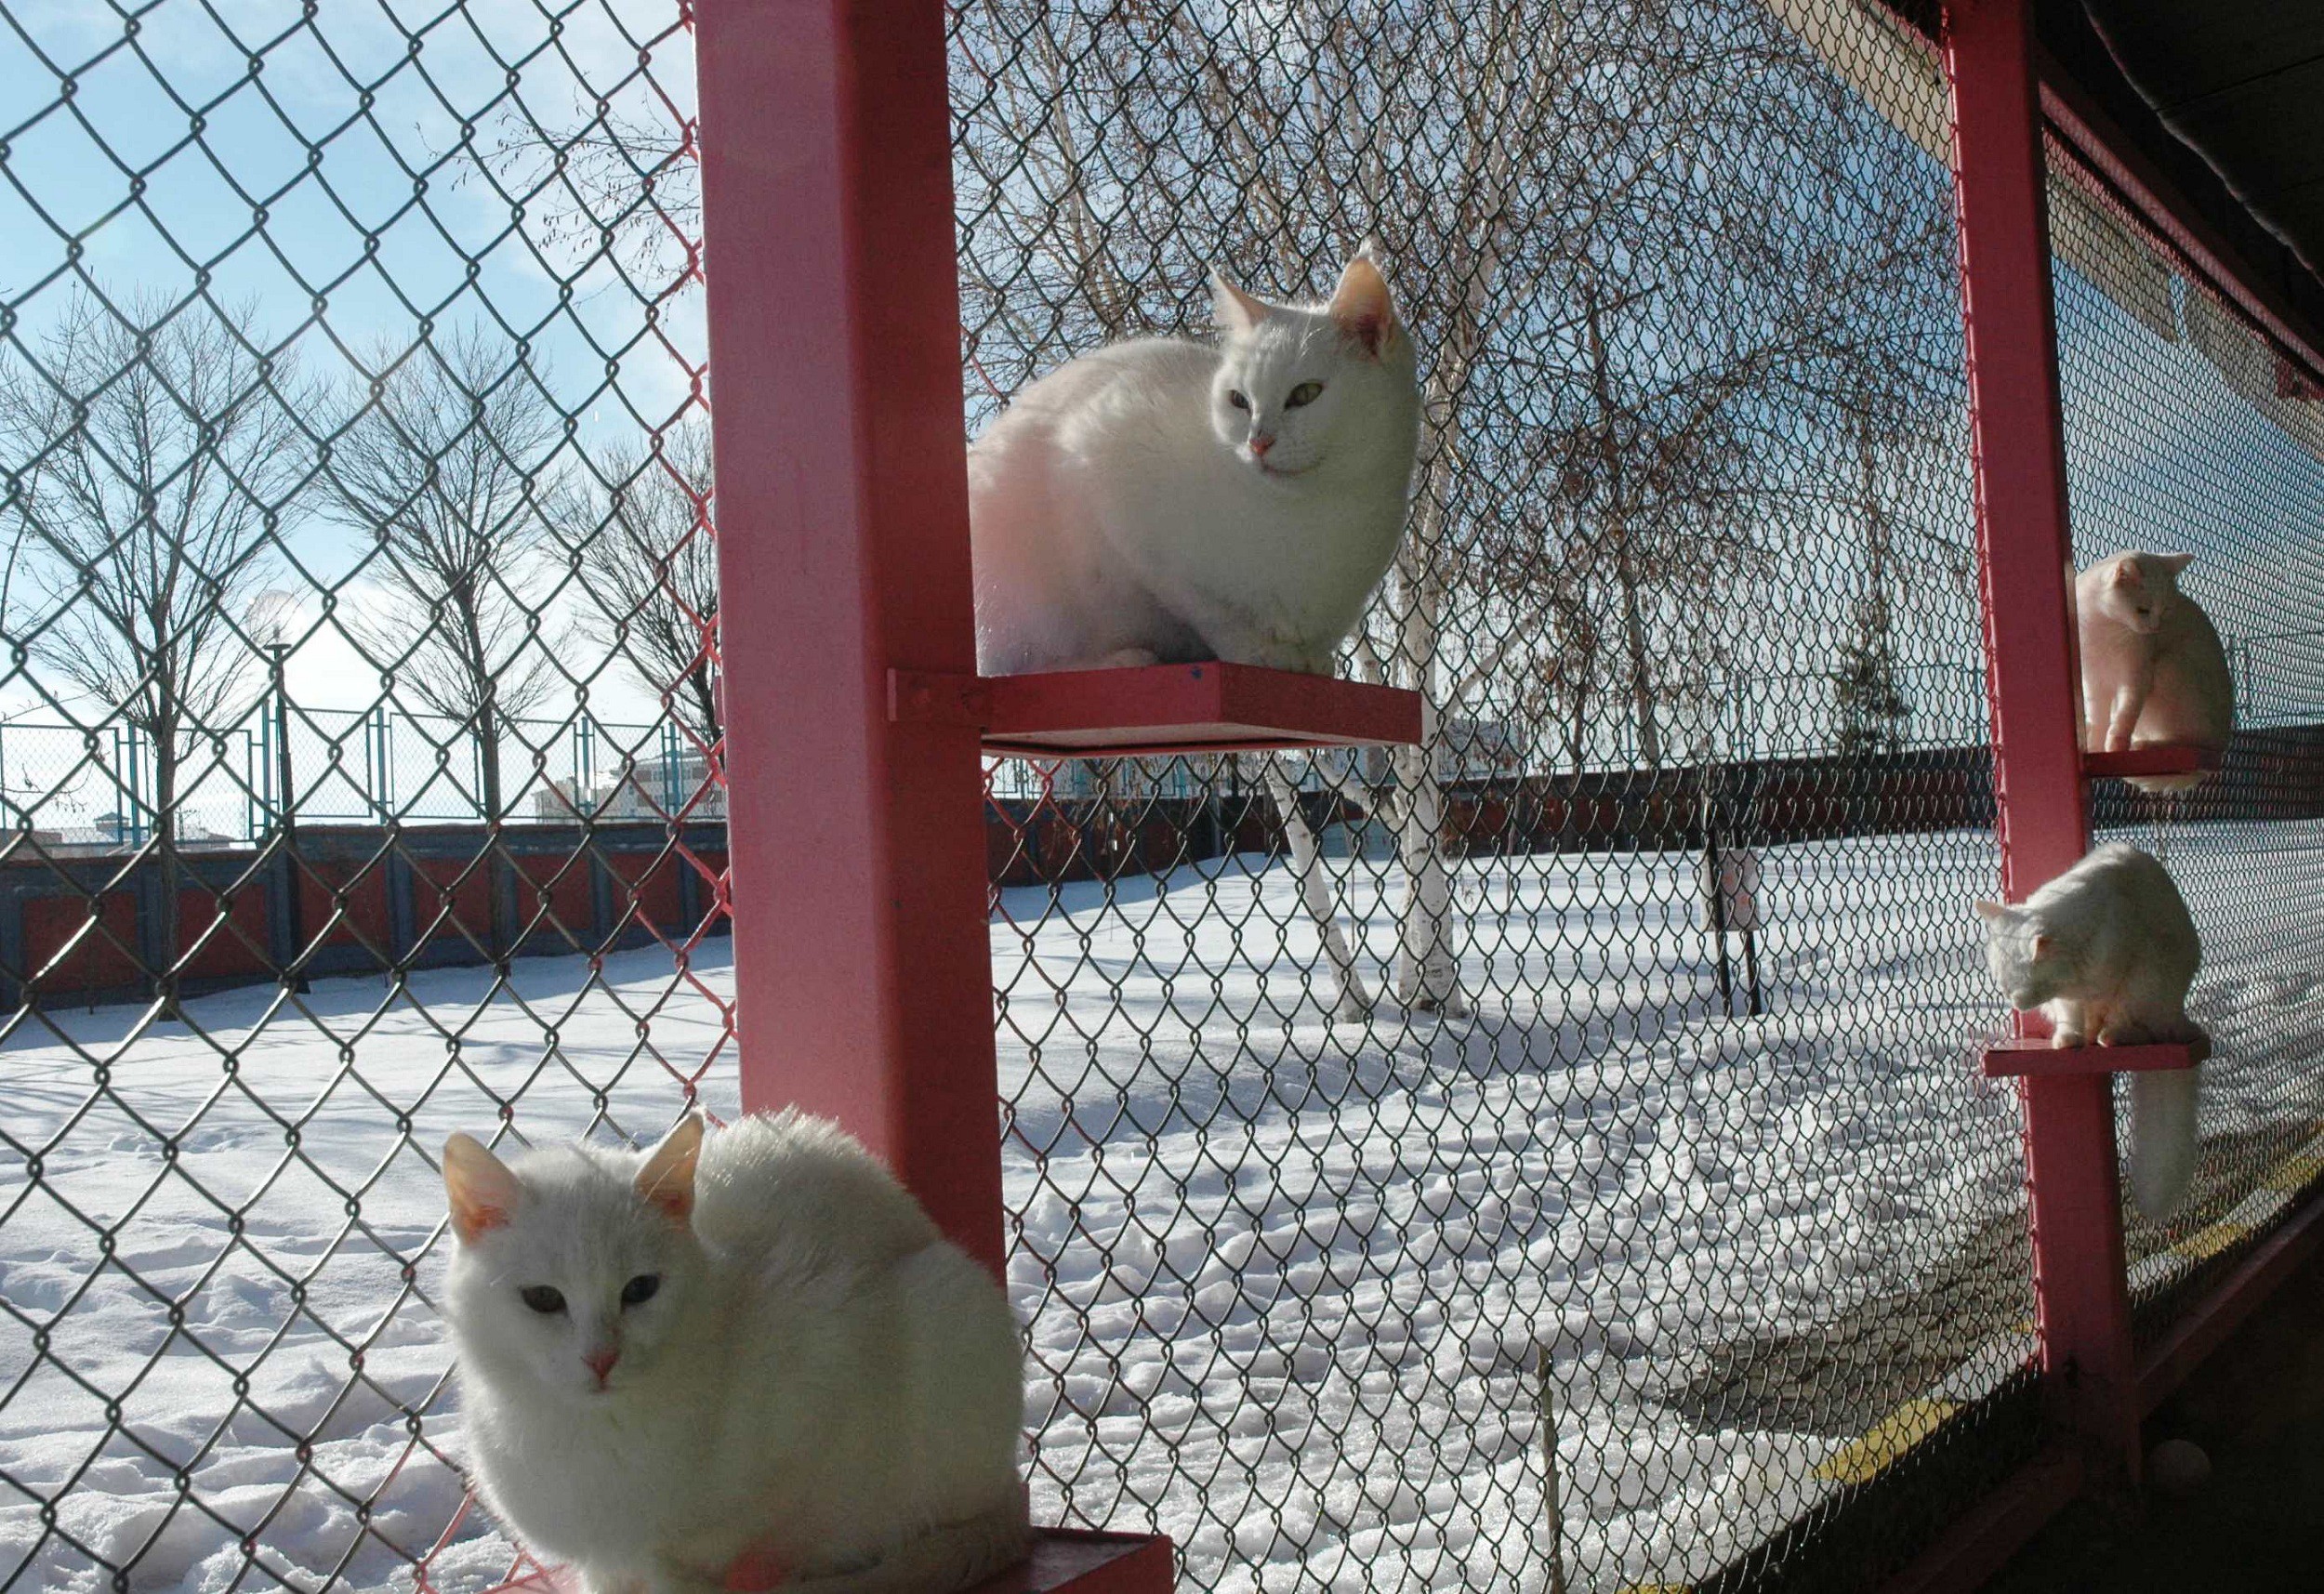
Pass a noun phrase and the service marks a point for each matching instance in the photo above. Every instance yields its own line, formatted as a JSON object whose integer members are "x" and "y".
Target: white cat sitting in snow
{"x": 746, "y": 1364}
{"x": 2153, "y": 668}
{"x": 2107, "y": 951}
{"x": 1165, "y": 502}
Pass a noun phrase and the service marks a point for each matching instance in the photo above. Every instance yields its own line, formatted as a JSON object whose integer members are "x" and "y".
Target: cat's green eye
{"x": 1305, "y": 393}
{"x": 543, "y": 1299}
{"x": 1237, "y": 400}
{"x": 639, "y": 1290}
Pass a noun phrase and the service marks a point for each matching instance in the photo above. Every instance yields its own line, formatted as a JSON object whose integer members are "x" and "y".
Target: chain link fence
{"x": 79, "y": 787}
{"x": 2188, "y": 432}
{"x": 349, "y": 355}
{"x": 1549, "y": 1158}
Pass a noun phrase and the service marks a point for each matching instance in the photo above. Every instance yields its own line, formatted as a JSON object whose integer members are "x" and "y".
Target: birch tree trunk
{"x": 1349, "y": 999}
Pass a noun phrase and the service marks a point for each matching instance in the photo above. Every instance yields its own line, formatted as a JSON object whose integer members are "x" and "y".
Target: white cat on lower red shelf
{"x": 2107, "y": 951}
{"x": 744, "y": 1361}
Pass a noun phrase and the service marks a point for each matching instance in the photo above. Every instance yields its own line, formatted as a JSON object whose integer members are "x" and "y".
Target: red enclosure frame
{"x": 854, "y": 720}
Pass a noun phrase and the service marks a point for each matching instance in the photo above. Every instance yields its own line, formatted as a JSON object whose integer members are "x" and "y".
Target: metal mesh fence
{"x": 1542, "y": 1159}
{"x": 340, "y": 766}
{"x": 1419, "y": 1179}
{"x": 2187, "y": 432}
{"x": 352, "y": 453}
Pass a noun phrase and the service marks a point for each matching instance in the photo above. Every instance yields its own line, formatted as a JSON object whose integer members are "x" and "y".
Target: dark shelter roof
{"x": 2225, "y": 100}
{"x": 2242, "y": 81}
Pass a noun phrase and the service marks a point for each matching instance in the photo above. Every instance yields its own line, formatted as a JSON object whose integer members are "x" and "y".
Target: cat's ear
{"x": 1232, "y": 309}
{"x": 2038, "y": 948}
{"x": 1363, "y": 307}
{"x": 2174, "y": 562}
{"x": 668, "y": 1179}
{"x": 2126, "y": 573}
{"x": 481, "y": 1191}
{"x": 1991, "y": 912}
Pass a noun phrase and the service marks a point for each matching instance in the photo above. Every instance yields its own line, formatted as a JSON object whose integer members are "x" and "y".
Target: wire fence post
{"x": 863, "y": 966}
{"x": 379, "y": 757}
{"x": 2016, "y": 424}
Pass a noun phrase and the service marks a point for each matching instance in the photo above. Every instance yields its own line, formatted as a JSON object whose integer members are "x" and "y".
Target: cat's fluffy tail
{"x": 2162, "y": 1139}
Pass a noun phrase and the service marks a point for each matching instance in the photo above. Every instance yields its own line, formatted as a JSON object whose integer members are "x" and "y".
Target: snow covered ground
{"x": 1291, "y": 1283}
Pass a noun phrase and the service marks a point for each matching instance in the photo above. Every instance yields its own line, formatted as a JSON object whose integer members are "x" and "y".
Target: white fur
{"x": 1125, "y": 510}
{"x": 2153, "y": 668}
{"x": 2107, "y": 951}
{"x": 820, "y": 1377}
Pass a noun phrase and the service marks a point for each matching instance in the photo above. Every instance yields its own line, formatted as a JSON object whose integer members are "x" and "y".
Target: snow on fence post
{"x": 2017, "y": 437}
{"x": 862, "y": 975}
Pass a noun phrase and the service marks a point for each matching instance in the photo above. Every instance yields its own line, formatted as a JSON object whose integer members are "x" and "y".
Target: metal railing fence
{"x": 1547, "y": 1158}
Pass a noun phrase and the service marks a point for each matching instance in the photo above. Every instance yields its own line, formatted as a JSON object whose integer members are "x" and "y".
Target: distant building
{"x": 648, "y": 792}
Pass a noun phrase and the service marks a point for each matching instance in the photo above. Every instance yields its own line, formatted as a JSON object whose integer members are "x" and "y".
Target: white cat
{"x": 2153, "y": 668}
{"x": 1163, "y": 502}
{"x": 746, "y": 1364}
{"x": 2107, "y": 951}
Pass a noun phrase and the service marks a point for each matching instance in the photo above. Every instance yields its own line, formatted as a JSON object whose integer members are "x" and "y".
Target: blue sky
{"x": 109, "y": 180}
{"x": 380, "y": 228}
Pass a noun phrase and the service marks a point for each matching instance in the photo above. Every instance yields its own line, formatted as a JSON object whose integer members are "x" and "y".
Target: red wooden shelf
{"x": 2011, "y": 1059}
{"x": 2163, "y": 759}
{"x": 1089, "y": 1563}
{"x": 1063, "y": 1560}
{"x": 1162, "y": 708}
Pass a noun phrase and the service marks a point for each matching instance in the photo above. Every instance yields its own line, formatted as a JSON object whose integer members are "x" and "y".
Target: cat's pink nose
{"x": 601, "y": 1362}
{"x": 1261, "y": 442}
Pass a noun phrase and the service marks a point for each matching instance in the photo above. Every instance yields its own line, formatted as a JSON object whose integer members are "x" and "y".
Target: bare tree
{"x": 649, "y": 562}
{"x": 153, "y": 450}
{"x": 1634, "y": 338}
{"x": 1868, "y": 699}
{"x": 443, "y": 471}
{"x": 1639, "y": 342}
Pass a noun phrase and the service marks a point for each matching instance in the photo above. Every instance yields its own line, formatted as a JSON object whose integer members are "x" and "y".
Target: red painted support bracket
{"x": 1071, "y": 1559}
{"x": 2029, "y": 1059}
{"x": 1163, "y": 708}
{"x": 2161, "y": 759}
{"x": 1063, "y": 1560}
{"x": 863, "y": 968}
{"x": 2017, "y": 434}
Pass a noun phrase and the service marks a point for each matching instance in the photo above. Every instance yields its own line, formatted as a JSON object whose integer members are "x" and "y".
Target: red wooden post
{"x": 2022, "y": 546}
{"x": 863, "y": 974}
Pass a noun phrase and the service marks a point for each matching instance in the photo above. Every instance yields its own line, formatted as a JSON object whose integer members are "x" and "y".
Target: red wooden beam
{"x": 862, "y": 975}
{"x": 1164, "y": 708}
{"x": 1980, "y": 1544}
{"x": 1071, "y": 1560}
{"x": 2206, "y": 1326}
{"x": 2017, "y": 436}
{"x": 2164, "y": 759}
{"x": 1064, "y": 1560}
{"x": 2026, "y": 1059}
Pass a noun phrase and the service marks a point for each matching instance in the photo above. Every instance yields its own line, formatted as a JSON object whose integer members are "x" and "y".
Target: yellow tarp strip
{"x": 2205, "y": 1243}
{"x": 1862, "y": 1460}
{"x": 2294, "y": 1173}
